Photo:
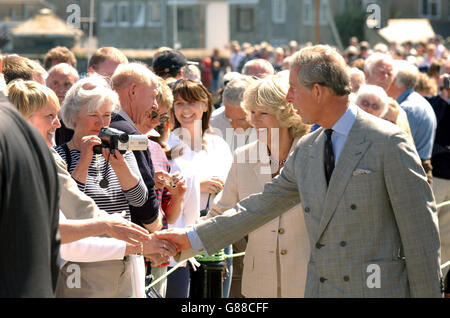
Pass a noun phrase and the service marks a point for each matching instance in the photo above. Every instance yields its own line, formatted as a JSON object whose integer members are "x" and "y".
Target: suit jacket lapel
{"x": 354, "y": 149}
{"x": 315, "y": 174}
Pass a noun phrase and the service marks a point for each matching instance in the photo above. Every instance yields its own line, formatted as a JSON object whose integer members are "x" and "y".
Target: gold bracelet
{"x": 142, "y": 249}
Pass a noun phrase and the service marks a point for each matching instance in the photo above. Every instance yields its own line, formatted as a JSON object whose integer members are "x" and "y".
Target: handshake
{"x": 163, "y": 244}
{"x": 158, "y": 246}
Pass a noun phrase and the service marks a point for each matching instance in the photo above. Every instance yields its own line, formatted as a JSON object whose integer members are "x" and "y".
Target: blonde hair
{"x": 30, "y": 96}
{"x": 91, "y": 92}
{"x": 165, "y": 96}
{"x": 269, "y": 95}
{"x": 126, "y": 74}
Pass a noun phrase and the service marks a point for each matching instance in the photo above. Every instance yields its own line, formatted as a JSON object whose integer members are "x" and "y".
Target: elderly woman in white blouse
{"x": 277, "y": 253}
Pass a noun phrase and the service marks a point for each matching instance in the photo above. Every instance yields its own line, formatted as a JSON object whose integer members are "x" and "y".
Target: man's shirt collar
{"x": 344, "y": 124}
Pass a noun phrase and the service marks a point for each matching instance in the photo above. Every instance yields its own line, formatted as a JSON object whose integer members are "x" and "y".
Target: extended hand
{"x": 121, "y": 229}
{"x": 160, "y": 246}
{"x": 177, "y": 237}
{"x": 157, "y": 259}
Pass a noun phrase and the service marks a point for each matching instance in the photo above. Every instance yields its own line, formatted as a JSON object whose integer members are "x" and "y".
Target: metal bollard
{"x": 206, "y": 281}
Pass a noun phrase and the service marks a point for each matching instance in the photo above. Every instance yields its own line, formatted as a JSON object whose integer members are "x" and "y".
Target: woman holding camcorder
{"x": 111, "y": 179}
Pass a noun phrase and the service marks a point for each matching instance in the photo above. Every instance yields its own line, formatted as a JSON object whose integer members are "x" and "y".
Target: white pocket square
{"x": 359, "y": 172}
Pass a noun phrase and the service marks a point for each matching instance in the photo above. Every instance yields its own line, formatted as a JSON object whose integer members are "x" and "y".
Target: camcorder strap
{"x": 68, "y": 156}
{"x": 104, "y": 183}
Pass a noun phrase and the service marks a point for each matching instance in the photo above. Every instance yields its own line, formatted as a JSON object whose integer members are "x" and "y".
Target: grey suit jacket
{"x": 373, "y": 231}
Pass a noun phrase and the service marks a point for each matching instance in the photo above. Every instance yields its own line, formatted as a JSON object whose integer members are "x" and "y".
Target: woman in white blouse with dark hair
{"x": 203, "y": 158}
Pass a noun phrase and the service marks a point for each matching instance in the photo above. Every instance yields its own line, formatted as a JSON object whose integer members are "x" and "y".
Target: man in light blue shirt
{"x": 421, "y": 116}
{"x": 365, "y": 197}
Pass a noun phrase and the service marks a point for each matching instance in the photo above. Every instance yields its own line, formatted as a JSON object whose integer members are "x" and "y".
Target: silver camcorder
{"x": 114, "y": 139}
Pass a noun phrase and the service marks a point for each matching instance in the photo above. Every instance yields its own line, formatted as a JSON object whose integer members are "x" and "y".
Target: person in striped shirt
{"x": 113, "y": 181}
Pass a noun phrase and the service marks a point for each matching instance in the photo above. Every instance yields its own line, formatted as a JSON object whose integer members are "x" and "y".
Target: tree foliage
{"x": 351, "y": 23}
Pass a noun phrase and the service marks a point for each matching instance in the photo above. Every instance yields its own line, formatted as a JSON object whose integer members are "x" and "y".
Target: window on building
{"x": 347, "y": 5}
{"x": 323, "y": 18}
{"x": 430, "y": 9}
{"x": 123, "y": 13}
{"x": 108, "y": 14}
{"x": 309, "y": 12}
{"x": 245, "y": 19}
{"x": 279, "y": 11}
{"x": 139, "y": 13}
{"x": 25, "y": 11}
{"x": 155, "y": 12}
{"x": 185, "y": 18}
{"x": 13, "y": 13}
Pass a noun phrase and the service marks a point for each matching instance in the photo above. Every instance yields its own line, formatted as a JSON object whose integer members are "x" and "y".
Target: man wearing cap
{"x": 168, "y": 65}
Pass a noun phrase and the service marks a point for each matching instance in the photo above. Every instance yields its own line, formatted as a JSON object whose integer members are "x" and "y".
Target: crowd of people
{"x": 315, "y": 163}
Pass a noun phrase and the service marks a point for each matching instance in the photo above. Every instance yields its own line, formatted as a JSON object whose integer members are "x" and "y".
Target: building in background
{"x": 41, "y": 33}
{"x": 207, "y": 23}
{"x": 149, "y": 24}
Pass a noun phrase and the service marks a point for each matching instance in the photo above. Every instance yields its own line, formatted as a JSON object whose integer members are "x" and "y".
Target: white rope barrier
{"x": 181, "y": 264}
{"x": 440, "y": 205}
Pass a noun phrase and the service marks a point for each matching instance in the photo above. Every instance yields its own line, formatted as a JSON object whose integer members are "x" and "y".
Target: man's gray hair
{"x": 323, "y": 65}
{"x": 234, "y": 91}
{"x": 192, "y": 73}
{"x": 91, "y": 92}
{"x": 65, "y": 69}
{"x": 375, "y": 92}
{"x": 407, "y": 75}
{"x": 374, "y": 59}
{"x": 258, "y": 67}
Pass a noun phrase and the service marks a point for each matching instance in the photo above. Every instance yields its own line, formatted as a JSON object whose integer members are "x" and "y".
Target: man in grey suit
{"x": 369, "y": 211}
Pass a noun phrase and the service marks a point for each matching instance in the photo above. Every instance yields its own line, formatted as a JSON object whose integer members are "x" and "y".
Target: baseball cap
{"x": 169, "y": 61}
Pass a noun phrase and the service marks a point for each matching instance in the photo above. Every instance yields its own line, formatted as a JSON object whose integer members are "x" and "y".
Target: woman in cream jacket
{"x": 275, "y": 263}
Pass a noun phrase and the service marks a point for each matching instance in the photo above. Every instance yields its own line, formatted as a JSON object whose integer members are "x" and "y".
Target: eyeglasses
{"x": 164, "y": 119}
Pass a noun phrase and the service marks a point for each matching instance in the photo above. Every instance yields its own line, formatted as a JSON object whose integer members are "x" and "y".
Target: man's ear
{"x": 317, "y": 92}
{"x": 132, "y": 92}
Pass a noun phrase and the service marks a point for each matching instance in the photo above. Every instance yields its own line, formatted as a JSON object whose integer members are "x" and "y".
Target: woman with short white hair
{"x": 112, "y": 180}
{"x": 372, "y": 99}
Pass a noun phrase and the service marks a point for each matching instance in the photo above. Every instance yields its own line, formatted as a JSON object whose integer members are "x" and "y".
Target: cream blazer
{"x": 277, "y": 254}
